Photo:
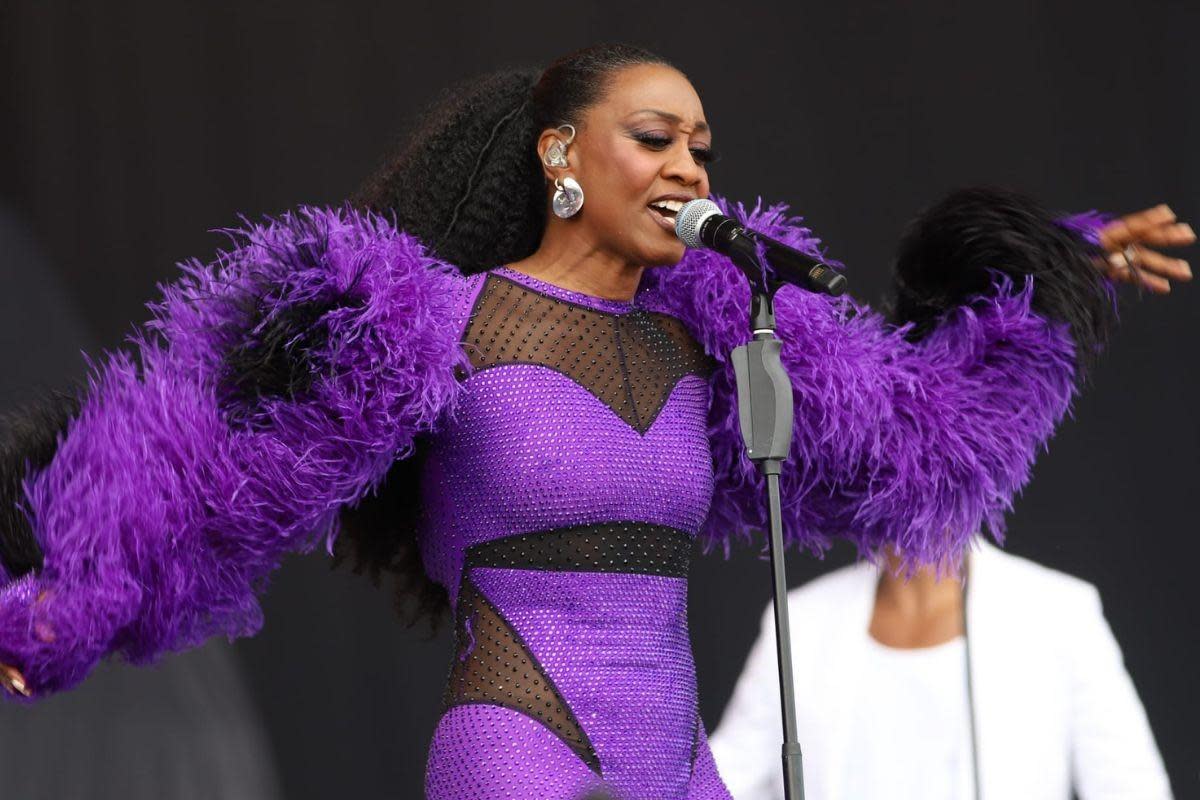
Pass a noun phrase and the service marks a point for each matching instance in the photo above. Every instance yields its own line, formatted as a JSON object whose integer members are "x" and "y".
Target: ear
{"x": 550, "y": 141}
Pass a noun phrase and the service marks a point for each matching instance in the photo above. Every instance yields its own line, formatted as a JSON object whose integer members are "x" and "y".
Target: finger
{"x": 1118, "y": 269}
{"x": 1179, "y": 234}
{"x": 1115, "y": 267}
{"x": 1174, "y": 268}
{"x": 1118, "y": 272}
{"x": 1129, "y": 228}
{"x": 13, "y": 680}
{"x": 1154, "y": 283}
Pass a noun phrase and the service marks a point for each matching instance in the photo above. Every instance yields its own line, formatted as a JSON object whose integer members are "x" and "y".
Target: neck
{"x": 567, "y": 257}
{"x": 919, "y": 591}
{"x": 918, "y": 609}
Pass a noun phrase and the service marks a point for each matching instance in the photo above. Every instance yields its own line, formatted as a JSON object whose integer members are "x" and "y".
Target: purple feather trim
{"x": 913, "y": 445}
{"x": 159, "y": 518}
{"x": 1086, "y": 224}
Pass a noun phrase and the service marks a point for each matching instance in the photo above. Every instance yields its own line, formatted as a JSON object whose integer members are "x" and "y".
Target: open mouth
{"x": 665, "y": 211}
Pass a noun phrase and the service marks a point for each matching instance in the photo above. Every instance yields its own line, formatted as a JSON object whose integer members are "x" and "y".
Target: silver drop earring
{"x": 568, "y": 197}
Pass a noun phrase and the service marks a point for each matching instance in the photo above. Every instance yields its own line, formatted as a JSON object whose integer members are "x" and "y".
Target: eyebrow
{"x": 667, "y": 115}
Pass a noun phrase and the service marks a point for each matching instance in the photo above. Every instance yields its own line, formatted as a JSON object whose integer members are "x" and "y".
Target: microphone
{"x": 700, "y": 223}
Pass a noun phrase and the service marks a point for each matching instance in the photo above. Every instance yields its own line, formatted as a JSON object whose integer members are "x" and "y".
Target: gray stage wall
{"x": 132, "y": 129}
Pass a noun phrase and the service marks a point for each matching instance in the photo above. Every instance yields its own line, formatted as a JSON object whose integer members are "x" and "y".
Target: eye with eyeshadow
{"x": 657, "y": 141}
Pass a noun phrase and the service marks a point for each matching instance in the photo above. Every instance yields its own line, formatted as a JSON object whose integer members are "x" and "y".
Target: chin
{"x": 668, "y": 257}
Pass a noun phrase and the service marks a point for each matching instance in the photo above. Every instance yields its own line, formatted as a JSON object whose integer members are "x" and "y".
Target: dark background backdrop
{"x": 132, "y": 129}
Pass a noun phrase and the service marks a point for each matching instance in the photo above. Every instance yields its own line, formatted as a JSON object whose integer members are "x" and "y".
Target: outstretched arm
{"x": 270, "y": 389}
{"x": 911, "y": 435}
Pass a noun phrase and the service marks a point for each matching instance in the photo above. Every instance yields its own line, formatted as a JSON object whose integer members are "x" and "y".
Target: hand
{"x": 10, "y": 677}
{"x": 1124, "y": 239}
{"x": 12, "y": 680}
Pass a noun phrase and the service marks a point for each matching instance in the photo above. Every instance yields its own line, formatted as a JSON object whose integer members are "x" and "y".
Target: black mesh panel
{"x": 493, "y": 665}
{"x": 635, "y": 547}
{"x": 630, "y": 362}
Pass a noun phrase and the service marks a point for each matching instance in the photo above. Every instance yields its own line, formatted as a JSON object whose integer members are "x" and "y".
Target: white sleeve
{"x": 746, "y": 744}
{"x": 1113, "y": 754}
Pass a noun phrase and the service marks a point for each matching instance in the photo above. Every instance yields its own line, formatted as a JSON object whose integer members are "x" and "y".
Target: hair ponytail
{"x": 468, "y": 183}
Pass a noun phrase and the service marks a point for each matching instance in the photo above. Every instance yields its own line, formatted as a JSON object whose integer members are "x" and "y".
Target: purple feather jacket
{"x": 161, "y": 513}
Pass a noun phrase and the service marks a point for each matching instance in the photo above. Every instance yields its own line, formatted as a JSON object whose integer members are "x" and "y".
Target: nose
{"x": 682, "y": 166}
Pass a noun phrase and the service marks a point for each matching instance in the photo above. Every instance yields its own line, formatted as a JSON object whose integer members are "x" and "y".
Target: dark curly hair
{"x": 469, "y": 184}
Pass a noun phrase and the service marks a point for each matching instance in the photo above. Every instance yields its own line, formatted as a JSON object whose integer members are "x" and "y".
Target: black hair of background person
{"x": 135, "y": 128}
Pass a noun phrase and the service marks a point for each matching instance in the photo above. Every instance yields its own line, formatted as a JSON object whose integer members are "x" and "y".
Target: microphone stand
{"x": 765, "y": 409}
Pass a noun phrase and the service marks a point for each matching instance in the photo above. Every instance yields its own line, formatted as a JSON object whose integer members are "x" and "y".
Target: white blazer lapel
{"x": 1017, "y": 694}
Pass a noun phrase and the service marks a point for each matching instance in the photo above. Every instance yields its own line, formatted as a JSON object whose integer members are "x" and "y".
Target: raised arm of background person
{"x": 272, "y": 388}
{"x": 1113, "y": 753}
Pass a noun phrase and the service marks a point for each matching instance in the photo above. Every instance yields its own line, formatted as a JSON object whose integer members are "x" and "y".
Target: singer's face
{"x": 645, "y": 139}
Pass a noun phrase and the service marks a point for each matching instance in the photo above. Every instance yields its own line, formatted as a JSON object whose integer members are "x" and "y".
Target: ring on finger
{"x": 1131, "y": 255}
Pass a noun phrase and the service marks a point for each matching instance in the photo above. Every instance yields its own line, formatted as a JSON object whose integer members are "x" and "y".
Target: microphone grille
{"x": 690, "y": 218}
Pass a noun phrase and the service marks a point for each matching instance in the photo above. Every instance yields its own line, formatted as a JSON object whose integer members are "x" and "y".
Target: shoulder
{"x": 848, "y": 580}
{"x": 828, "y": 598}
{"x": 1039, "y": 594}
{"x": 706, "y": 294}
{"x": 822, "y": 610}
{"x": 464, "y": 292}
{"x": 1026, "y": 602}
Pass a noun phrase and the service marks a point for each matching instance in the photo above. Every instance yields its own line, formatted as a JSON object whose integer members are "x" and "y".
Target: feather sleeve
{"x": 269, "y": 389}
{"x": 912, "y": 435}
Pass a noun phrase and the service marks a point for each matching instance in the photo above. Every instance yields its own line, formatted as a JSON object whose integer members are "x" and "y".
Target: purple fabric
{"x": 558, "y": 457}
{"x": 912, "y": 445}
{"x": 158, "y": 518}
{"x": 706, "y": 784}
{"x": 484, "y": 751}
{"x": 579, "y": 298}
{"x": 531, "y": 449}
{"x": 617, "y": 648}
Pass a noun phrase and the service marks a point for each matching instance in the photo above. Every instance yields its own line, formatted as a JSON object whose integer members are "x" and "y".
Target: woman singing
{"x": 508, "y": 301}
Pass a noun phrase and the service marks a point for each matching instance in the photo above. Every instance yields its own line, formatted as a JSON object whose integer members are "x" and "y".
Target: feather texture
{"x": 912, "y": 444}
{"x": 1086, "y": 224}
{"x": 28, "y": 438}
{"x": 193, "y": 467}
{"x": 275, "y": 387}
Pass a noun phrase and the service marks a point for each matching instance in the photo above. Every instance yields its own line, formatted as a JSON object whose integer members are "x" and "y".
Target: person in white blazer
{"x": 1025, "y": 698}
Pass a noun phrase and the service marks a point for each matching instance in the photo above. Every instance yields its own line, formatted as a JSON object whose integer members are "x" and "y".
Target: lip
{"x": 683, "y": 198}
{"x": 663, "y": 222}
{"x": 667, "y": 223}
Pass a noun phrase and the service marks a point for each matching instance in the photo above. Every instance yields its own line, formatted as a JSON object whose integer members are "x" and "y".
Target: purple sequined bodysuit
{"x": 560, "y": 510}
